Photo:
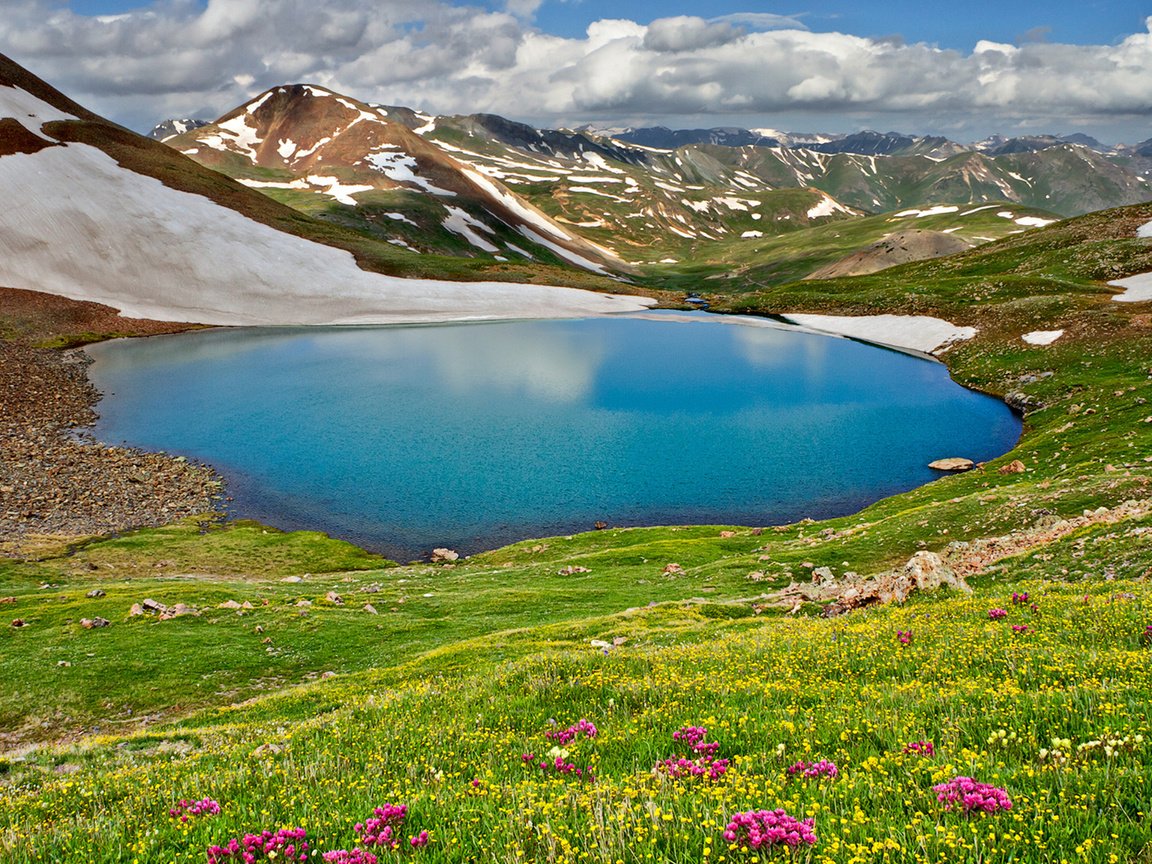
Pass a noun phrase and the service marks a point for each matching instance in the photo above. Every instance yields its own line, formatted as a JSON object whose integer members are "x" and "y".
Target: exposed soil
{"x": 55, "y": 481}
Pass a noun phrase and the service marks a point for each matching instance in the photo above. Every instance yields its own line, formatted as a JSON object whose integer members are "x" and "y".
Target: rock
{"x": 292, "y": 579}
{"x": 952, "y": 463}
{"x": 572, "y": 569}
{"x": 93, "y": 623}
{"x": 5, "y": 600}
{"x": 1013, "y": 467}
{"x": 823, "y": 575}
{"x": 303, "y": 604}
{"x": 267, "y": 750}
{"x": 727, "y": 534}
{"x": 326, "y": 675}
{"x": 370, "y": 609}
{"x": 63, "y": 663}
{"x": 95, "y": 593}
{"x": 136, "y": 610}
{"x": 19, "y": 622}
{"x": 150, "y": 605}
{"x": 229, "y": 604}
{"x": 444, "y": 556}
{"x": 333, "y": 597}
{"x": 247, "y": 605}
{"x": 673, "y": 569}
{"x": 599, "y": 525}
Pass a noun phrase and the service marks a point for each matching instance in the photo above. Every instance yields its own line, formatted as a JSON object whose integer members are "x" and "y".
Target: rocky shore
{"x": 56, "y": 482}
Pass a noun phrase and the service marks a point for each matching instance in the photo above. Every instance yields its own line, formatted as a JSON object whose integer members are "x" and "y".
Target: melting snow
{"x": 286, "y": 148}
{"x": 921, "y": 333}
{"x": 566, "y": 254}
{"x": 305, "y": 153}
{"x": 332, "y": 186}
{"x": 752, "y": 234}
{"x": 27, "y": 110}
{"x": 1034, "y": 221}
{"x": 601, "y": 163}
{"x": 1139, "y": 287}
{"x": 400, "y": 217}
{"x": 1144, "y": 230}
{"x": 273, "y": 184}
{"x": 520, "y": 209}
{"x": 826, "y": 207}
{"x": 1042, "y": 337}
{"x": 939, "y": 210}
{"x": 462, "y": 222}
{"x": 159, "y": 253}
{"x": 978, "y": 209}
{"x": 400, "y": 167}
{"x": 252, "y": 106}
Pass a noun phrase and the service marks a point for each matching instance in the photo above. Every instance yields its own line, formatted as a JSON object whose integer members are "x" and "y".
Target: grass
{"x": 463, "y": 668}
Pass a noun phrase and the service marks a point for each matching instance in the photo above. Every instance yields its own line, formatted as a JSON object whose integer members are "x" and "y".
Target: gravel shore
{"x": 55, "y": 482}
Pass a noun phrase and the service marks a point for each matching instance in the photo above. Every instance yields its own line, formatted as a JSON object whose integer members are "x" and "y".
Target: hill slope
{"x": 99, "y": 213}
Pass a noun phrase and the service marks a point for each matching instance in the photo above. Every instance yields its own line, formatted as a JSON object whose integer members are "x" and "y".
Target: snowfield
{"x": 921, "y": 333}
{"x": 85, "y": 228}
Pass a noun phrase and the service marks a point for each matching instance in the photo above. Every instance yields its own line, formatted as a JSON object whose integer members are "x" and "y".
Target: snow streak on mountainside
{"x": 82, "y": 225}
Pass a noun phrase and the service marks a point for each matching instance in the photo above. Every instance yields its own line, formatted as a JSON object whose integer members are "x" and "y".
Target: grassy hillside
{"x": 459, "y": 671}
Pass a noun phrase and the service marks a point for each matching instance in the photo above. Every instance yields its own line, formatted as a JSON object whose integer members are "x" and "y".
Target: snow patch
{"x": 1144, "y": 230}
{"x": 29, "y": 111}
{"x": 286, "y": 148}
{"x": 401, "y": 168}
{"x": 921, "y": 333}
{"x": 1139, "y": 287}
{"x": 567, "y": 254}
{"x": 827, "y": 207}
{"x": 938, "y": 210}
{"x": 519, "y": 208}
{"x": 92, "y": 230}
{"x": 1034, "y": 221}
{"x": 1042, "y": 337}
{"x": 332, "y": 186}
{"x": 462, "y": 222}
{"x": 752, "y": 234}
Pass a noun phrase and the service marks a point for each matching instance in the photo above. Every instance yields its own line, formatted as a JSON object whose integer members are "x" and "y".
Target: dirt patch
{"x": 14, "y": 138}
{"x": 898, "y": 248}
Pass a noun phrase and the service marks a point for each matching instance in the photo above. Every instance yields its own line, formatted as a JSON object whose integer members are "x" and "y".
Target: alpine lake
{"x": 469, "y": 436}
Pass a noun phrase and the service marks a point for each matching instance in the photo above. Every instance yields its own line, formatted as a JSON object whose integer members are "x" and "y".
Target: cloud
{"x": 180, "y": 58}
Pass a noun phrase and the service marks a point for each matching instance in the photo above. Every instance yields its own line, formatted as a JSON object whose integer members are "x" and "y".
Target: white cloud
{"x": 175, "y": 58}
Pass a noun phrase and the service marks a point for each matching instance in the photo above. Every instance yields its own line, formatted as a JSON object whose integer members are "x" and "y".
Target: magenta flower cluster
{"x": 904, "y": 637}
{"x": 970, "y": 795}
{"x": 557, "y": 765}
{"x": 354, "y": 856}
{"x": 679, "y": 768}
{"x": 563, "y": 736}
{"x": 1148, "y": 633}
{"x": 287, "y": 844}
{"x": 920, "y": 748}
{"x": 695, "y": 737}
{"x": 1019, "y": 599}
{"x": 382, "y": 829}
{"x": 997, "y": 614}
{"x": 767, "y": 829}
{"x": 823, "y": 768}
{"x": 1021, "y": 629}
{"x": 186, "y": 810}
{"x": 701, "y": 759}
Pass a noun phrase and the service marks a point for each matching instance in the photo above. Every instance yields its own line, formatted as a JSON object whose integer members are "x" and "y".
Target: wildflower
{"x": 904, "y": 637}
{"x": 705, "y": 763}
{"x": 997, "y": 614}
{"x": 920, "y": 748}
{"x": 1148, "y": 633}
{"x": 767, "y": 829}
{"x": 287, "y": 844}
{"x": 823, "y": 768}
{"x": 564, "y": 736}
{"x": 1019, "y": 599}
{"x": 354, "y": 856}
{"x": 972, "y": 795}
{"x": 1022, "y": 629}
{"x": 382, "y": 827}
{"x": 186, "y": 810}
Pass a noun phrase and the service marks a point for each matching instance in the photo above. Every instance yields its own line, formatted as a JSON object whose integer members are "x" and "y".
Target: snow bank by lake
{"x": 921, "y": 333}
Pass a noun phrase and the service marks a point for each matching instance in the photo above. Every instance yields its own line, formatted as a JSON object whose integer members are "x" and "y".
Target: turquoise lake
{"x": 470, "y": 436}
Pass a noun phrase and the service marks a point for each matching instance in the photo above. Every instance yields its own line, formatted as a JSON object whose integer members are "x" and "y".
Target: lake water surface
{"x": 470, "y": 436}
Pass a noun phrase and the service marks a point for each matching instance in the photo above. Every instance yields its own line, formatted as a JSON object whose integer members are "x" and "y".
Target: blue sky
{"x": 961, "y": 68}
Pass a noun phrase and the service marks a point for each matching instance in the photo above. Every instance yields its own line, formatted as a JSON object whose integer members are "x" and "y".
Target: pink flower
{"x": 823, "y": 768}
{"x": 997, "y": 614}
{"x": 920, "y": 748}
{"x": 971, "y": 795}
{"x": 767, "y": 829}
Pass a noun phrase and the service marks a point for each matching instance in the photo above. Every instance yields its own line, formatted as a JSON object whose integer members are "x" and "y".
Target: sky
{"x": 963, "y": 68}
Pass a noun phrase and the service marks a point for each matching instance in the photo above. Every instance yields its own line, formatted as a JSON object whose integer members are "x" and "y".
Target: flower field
{"x": 839, "y": 743}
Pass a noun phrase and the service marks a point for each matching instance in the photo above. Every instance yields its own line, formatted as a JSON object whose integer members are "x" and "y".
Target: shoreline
{"x": 57, "y": 484}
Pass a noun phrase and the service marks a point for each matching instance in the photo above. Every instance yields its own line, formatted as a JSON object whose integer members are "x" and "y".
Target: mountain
{"x": 96, "y": 212}
{"x": 370, "y": 168}
{"x": 172, "y": 128}
{"x": 662, "y": 137}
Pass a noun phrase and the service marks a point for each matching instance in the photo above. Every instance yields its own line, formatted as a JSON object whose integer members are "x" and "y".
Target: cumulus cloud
{"x": 179, "y": 57}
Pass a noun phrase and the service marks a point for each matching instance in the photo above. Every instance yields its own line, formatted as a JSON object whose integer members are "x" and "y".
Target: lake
{"x": 470, "y": 436}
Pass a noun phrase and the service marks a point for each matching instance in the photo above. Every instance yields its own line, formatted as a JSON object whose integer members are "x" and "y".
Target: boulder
{"x": 952, "y": 463}
{"x": 94, "y": 623}
{"x": 1013, "y": 467}
{"x": 444, "y": 556}
{"x": 95, "y": 593}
